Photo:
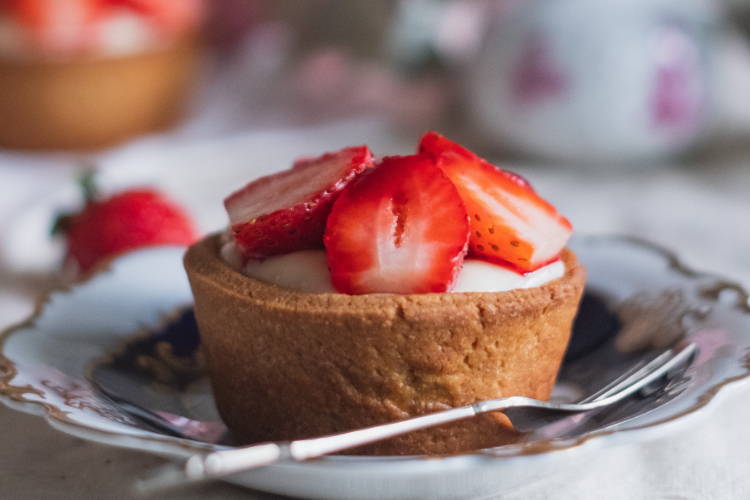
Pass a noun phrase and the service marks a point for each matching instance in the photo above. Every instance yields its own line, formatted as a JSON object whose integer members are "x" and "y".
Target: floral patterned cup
{"x": 586, "y": 80}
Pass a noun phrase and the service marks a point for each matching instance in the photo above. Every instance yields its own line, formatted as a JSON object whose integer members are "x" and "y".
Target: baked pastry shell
{"x": 287, "y": 365}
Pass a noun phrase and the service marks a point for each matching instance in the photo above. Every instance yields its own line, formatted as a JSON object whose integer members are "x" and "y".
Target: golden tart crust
{"x": 288, "y": 365}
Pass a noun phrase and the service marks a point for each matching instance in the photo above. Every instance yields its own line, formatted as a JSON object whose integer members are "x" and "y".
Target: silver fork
{"x": 526, "y": 414}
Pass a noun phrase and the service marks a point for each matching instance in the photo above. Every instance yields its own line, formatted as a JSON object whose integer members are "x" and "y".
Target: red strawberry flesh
{"x": 398, "y": 228}
{"x": 287, "y": 211}
{"x": 510, "y": 223}
{"x": 126, "y": 221}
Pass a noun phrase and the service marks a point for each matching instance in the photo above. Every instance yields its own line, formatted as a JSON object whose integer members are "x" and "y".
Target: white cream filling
{"x": 480, "y": 276}
{"x": 307, "y": 271}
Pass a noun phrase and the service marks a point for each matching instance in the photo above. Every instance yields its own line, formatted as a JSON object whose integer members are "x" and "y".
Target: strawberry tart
{"x": 82, "y": 74}
{"x": 351, "y": 292}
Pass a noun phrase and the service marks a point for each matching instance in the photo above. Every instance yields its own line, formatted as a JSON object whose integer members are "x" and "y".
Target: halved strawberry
{"x": 287, "y": 211}
{"x": 510, "y": 223}
{"x": 399, "y": 228}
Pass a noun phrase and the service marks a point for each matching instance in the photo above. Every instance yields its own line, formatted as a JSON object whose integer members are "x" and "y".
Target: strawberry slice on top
{"x": 287, "y": 211}
{"x": 399, "y": 228}
{"x": 510, "y": 223}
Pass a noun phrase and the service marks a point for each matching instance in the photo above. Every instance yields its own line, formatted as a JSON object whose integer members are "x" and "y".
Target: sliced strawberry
{"x": 510, "y": 223}
{"x": 287, "y": 211}
{"x": 399, "y": 228}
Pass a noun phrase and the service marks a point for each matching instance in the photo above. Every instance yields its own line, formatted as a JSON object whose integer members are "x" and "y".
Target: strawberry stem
{"x": 86, "y": 181}
{"x": 61, "y": 223}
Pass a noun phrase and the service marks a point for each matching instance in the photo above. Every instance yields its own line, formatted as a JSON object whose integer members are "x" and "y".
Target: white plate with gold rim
{"x": 635, "y": 290}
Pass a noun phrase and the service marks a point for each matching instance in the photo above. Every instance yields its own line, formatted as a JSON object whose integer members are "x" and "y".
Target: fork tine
{"x": 535, "y": 414}
{"x": 615, "y": 383}
{"x": 663, "y": 365}
{"x": 630, "y": 377}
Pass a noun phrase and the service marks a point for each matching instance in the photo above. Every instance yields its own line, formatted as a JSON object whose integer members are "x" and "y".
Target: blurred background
{"x": 630, "y": 116}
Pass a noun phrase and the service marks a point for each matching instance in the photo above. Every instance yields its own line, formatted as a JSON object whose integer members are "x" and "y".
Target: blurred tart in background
{"x": 85, "y": 74}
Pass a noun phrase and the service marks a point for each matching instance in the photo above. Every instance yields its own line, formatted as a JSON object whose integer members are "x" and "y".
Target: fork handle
{"x": 315, "y": 447}
{"x": 225, "y": 462}
{"x": 222, "y": 463}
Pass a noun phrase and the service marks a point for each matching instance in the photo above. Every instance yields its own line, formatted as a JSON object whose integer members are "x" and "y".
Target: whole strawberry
{"x": 129, "y": 220}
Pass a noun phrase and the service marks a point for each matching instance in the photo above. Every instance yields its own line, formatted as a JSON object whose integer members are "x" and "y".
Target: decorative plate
{"x": 131, "y": 328}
